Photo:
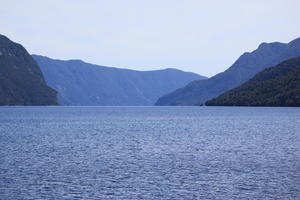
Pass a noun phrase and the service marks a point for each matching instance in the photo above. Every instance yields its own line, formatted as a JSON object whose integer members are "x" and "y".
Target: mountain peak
{"x": 272, "y": 45}
{"x": 262, "y": 45}
{"x": 295, "y": 42}
{"x": 247, "y": 65}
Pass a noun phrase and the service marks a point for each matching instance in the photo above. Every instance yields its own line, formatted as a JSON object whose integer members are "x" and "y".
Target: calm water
{"x": 149, "y": 153}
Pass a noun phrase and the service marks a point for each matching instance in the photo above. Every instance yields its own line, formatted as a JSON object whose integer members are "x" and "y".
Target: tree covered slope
{"x": 21, "y": 80}
{"x": 249, "y": 64}
{"x": 275, "y": 86}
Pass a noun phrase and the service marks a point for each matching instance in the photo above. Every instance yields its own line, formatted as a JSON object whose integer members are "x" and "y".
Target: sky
{"x": 204, "y": 37}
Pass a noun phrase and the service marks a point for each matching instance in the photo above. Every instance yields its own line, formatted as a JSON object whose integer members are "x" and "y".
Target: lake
{"x": 149, "y": 153}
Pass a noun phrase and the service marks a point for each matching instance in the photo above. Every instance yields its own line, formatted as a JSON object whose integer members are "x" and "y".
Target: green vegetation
{"x": 275, "y": 86}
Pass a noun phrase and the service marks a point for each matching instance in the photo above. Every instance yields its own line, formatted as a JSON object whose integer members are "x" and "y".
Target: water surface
{"x": 149, "y": 153}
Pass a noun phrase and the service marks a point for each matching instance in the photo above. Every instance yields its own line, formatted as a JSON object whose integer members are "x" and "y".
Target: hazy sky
{"x": 193, "y": 35}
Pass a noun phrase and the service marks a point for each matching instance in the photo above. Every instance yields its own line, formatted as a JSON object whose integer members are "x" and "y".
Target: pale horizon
{"x": 204, "y": 37}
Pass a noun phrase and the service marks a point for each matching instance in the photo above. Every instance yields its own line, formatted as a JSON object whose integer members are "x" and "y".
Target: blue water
{"x": 149, "y": 153}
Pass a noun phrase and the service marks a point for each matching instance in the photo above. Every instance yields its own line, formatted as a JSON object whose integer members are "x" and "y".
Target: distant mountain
{"x": 21, "y": 81}
{"x": 249, "y": 64}
{"x": 275, "y": 86}
{"x": 80, "y": 83}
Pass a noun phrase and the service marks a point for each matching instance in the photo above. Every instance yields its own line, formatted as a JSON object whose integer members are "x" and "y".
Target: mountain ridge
{"x": 274, "y": 86}
{"x": 113, "y": 67}
{"x": 244, "y": 68}
{"x": 81, "y": 83}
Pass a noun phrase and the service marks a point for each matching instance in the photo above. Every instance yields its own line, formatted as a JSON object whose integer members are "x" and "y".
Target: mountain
{"x": 275, "y": 86}
{"x": 21, "y": 81}
{"x": 80, "y": 83}
{"x": 249, "y": 64}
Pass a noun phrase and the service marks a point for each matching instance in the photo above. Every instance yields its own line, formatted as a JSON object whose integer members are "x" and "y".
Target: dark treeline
{"x": 275, "y": 86}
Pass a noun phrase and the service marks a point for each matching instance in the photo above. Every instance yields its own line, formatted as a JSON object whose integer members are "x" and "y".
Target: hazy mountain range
{"x": 39, "y": 80}
{"x": 21, "y": 80}
{"x": 275, "y": 86}
{"x": 266, "y": 55}
{"x": 80, "y": 83}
